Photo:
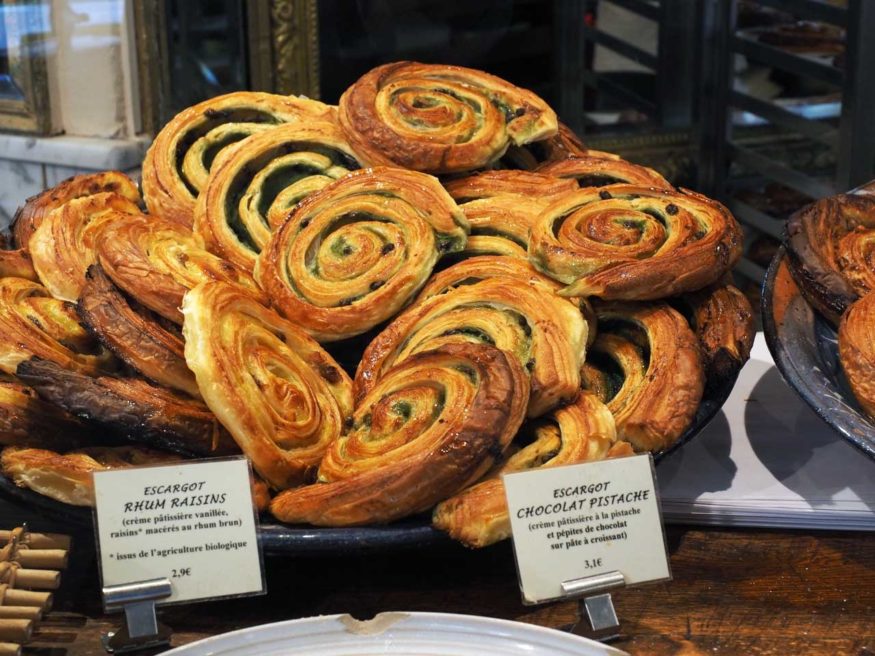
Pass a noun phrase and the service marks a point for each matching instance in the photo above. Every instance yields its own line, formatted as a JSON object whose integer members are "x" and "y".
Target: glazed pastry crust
{"x": 656, "y": 354}
{"x": 606, "y": 242}
{"x": 255, "y": 184}
{"x": 431, "y": 426}
{"x": 483, "y": 267}
{"x": 857, "y": 351}
{"x": 62, "y": 247}
{"x": 178, "y": 158}
{"x": 277, "y": 392}
{"x": 591, "y": 171}
{"x": 32, "y": 323}
{"x": 439, "y": 119}
{"x": 131, "y": 408}
{"x": 134, "y": 334}
{"x": 17, "y": 263}
{"x": 157, "y": 262}
{"x": 354, "y": 254}
{"x": 492, "y": 184}
{"x": 581, "y": 432}
{"x": 27, "y": 420}
{"x": 36, "y": 208}
{"x": 546, "y": 333}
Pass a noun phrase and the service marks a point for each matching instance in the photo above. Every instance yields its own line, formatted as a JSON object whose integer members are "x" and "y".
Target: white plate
{"x": 397, "y": 634}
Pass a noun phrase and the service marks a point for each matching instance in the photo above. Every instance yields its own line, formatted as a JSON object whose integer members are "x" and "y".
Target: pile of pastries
{"x": 384, "y": 305}
{"x": 831, "y": 254}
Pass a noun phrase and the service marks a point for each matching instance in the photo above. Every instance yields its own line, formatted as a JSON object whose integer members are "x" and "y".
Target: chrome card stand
{"x": 596, "y": 603}
{"x": 141, "y": 629}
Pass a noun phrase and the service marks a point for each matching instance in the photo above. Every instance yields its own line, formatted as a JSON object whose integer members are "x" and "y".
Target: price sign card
{"x": 582, "y": 520}
{"x": 192, "y": 523}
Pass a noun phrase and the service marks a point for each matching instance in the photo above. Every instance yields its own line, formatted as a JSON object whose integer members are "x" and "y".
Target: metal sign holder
{"x": 141, "y": 629}
{"x": 595, "y": 601}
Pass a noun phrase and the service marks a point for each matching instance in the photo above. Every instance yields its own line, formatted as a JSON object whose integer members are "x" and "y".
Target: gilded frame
{"x": 283, "y": 40}
{"x": 26, "y": 59}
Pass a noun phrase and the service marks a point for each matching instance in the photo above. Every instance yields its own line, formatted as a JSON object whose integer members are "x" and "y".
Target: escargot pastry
{"x": 439, "y": 119}
{"x": 134, "y": 334}
{"x": 157, "y": 262}
{"x": 482, "y": 267}
{"x": 625, "y": 242}
{"x": 821, "y": 245}
{"x": 722, "y": 319}
{"x": 131, "y": 408}
{"x": 494, "y": 184}
{"x": 27, "y": 420}
{"x": 68, "y": 477}
{"x": 590, "y": 171}
{"x": 255, "y": 184}
{"x": 645, "y": 365}
{"x": 353, "y": 254}
{"x": 430, "y": 426}
{"x": 62, "y": 247}
{"x": 31, "y": 214}
{"x": 581, "y": 432}
{"x": 547, "y": 335}
{"x": 178, "y": 162}
{"x": 857, "y": 351}
{"x": 278, "y": 393}
{"x": 32, "y": 322}
{"x": 561, "y": 145}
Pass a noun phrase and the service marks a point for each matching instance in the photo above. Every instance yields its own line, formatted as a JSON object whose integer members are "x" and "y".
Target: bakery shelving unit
{"x": 839, "y": 146}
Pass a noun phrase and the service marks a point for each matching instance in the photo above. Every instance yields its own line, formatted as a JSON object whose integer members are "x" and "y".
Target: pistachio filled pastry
{"x": 626, "y": 242}
{"x": 33, "y": 323}
{"x": 439, "y": 119}
{"x": 593, "y": 171}
{"x": 646, "y": 366}
{"x": 277, "y": 392}
{"x": 431, "y": 425}
{"x": 27, "y": 420}
{"x": 352, "y": 255}
{"x": 254, "y": 185}
{"x": 857, "y": 351}
{"x": 131, "y": 409}
{"x": 178, "y": 162}
{"x": 157, "y": 262}
{"x": 143, "y": 340}
{"x": 580, "y": 432}
{"x": 545, "y": 333}
{"x": 63, "y": 247}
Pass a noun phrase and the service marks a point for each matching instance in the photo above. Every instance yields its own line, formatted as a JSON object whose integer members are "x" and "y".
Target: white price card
{"x": 587, "y": 519}
{"x": 192, "y": 523}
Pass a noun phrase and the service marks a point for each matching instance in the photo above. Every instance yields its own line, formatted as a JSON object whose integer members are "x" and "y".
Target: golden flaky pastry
{"x": 857, "y": 351}
{"x": 277, "y": 392}
{"x": 352, "y": 255}
{"x": 430, "y": 426}
{"x": 439, "y": 119}
{"x": 178, "y": 162}
{"x": 592, "y": 171}
{"x": 27, "y": 420}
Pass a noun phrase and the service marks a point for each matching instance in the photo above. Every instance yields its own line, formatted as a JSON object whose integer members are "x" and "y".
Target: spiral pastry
{"x": 857, "y": 351}
{"x": 37, "y": 208}
{"x": 645, "y": 365}
{"x": 495, "y": 184}
{"x": 62, "y": 247}
{"x": 134, "y": 334}
{"x": 27, "y": 420}
{"x": 561, "y": 145}
{"x": 439, "y": 119}
{"x": 546, "y": 334}
{"x": 431, "y": 425}
{"x": 278, "y": 393}
{"x": 856, "y": 259}
{"x": 634, "y": 243}
{"x": 722, "y": 319}
{"x": 255, "y": 185}
{"x": 131, "y": 408}
{"x": 157, "y": 262}
{"x": 179, "y": 160}
{"x": 591, "y": 171}
{"x": 352, "y": 255}
{"x": 581, "y": 432}
{"x": 483, "y": 267}
{"x": 817, "y": 252}
{"x": 69, "y": 478}
{"x": 34, "y": 323}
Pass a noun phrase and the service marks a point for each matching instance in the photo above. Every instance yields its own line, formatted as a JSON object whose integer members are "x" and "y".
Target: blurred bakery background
{"x": 763, "y": 104}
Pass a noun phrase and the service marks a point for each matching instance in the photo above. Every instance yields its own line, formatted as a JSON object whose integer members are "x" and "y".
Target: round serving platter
{"x": 804, "y": 346}
{"x": 415, "y": 532}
